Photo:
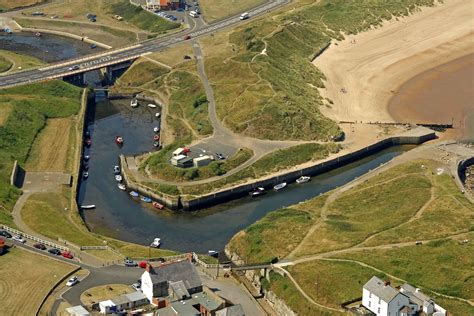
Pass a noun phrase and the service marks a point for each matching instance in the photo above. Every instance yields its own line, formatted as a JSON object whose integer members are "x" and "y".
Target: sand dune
{"x": 381, "y": 60}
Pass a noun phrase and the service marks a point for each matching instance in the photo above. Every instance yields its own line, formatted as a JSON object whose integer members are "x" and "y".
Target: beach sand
{"x": 380, "y": 61}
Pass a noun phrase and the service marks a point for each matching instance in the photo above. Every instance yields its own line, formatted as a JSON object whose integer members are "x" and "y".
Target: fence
{"x": 34, "y": 238}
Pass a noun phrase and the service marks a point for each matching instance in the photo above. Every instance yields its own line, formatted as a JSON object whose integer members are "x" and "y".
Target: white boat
{"x": 212, "y": 253}
{"x": 151, "y": 105}
{"x": 134, "y": 103}
{"x": 158, "y": 114}
{"x": 88, "y": 207}
{"x": 156, "y": 129}
{"x": 116, "y": 169}
{"x": 279, "y": 186}
{"x": 258, "y": 191}
{"x": 156, "y": 243}
{"x": 303, "y": 179}
{"x": 118, "y": 178}
{"x": 122, "y": 186}
{"x": 134, "y": 194}
{"x": 85, "y": 174}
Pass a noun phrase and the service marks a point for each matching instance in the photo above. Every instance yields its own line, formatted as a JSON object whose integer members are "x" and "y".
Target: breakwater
{"x": 416, "y": 136}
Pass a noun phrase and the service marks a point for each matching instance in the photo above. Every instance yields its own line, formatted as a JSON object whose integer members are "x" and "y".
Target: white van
{"x": 193, "y": 14}
{"x": 244, "y": 16}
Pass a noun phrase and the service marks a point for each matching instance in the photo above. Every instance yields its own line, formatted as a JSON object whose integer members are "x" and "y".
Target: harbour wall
{"x": 319, "y": 168}
{"x": 461, "y": 176}
{"x": 209, "y": 200}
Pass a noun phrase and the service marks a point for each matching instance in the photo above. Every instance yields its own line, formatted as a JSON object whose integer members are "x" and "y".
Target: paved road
{"x": 101, "y": 60}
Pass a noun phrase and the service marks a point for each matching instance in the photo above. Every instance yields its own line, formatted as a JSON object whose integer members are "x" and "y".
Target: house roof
{"x": 415, "y": 296}
{"x": 206, "y": 301}
{"x": 179, "y": 271}
{"x": 179, "y": 289}
{"x": 378, "y": 288}
{"x": 119, "y": 300}
{"x": 179, "y": 308}
{"x": 107, "y": 303}
{"x": 78, "y": 310}
{"x": 406, "y": 309}
{"x": 135, "y": 296}
{"x": 235, "y": 310}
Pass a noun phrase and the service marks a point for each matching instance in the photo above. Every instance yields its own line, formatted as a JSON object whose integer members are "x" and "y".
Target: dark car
{"x": 187, "y": 37}
{"x": 6, "y": 234}
{"x": 55, "y": 251}
{"x": 220, "y": 156}
{"x": 39, "y": 246}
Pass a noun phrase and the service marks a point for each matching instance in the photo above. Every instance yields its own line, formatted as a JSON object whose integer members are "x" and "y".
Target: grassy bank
{"x": 13, "y": 61}
{"x": 5, "y": 64}
{"x": 30, "y": 107}
{"x": 214, "y": 10}
{"x": 273, "y": 90}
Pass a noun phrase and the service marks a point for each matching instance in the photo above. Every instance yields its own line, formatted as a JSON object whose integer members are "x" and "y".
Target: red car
{"x": 142, "y": 264}
{"x": 67, "y": 254}
{"x": 187, "y": 37}
{"x": 39, "y": 246}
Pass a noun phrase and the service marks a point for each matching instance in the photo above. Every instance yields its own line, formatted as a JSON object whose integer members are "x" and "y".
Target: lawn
{"x": 173, "y": 56}
{"x": 213, "y": 10}
{"x": 104, "y": 292}
{"x": 28, "y": 108}
{"x": 27, "y": 277}
{"x": 138, "y": 251}
{"x": 8, "y": 60}
{"x": 41, "y": 208}
{"x": 52, "y": 148}
{"x": 5, "y": 110}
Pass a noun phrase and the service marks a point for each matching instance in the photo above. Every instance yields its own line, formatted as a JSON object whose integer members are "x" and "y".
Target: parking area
{"x": 211, "y": 147}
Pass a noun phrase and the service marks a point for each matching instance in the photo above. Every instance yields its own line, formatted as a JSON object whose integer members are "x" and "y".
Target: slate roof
{"x": 419, "y": 298}
{"x": 385, "y": 292}
{"x": 235, "y": 310}
{"x": 179, "y": 271}
{"x": 135, "y": 296}
{"x": 179, "y": 289}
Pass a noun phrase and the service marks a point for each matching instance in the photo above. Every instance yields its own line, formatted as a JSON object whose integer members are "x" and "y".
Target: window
{"x": 370, "y": 294}
{"x": 378, "y": 310}
{"x": 380, "y": 300}
{"x": 370, "y": 303}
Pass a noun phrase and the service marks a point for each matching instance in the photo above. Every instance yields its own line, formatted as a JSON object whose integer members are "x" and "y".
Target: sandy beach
{"x": 366, "y": 70}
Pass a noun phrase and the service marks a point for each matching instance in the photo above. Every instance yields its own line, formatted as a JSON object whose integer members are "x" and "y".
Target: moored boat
{"x": 158, "y": 114}
{"x": 134, "y": 103}
{"x": 145, "y": 199}
{"x": 119, "y": 140}
{"x": 88, "y": 142}
{"x": 134, "y": 194}
{"x": 85, "y": 174}
{"x": 88, "y": 207}
{"x": 118, "y": 178}
{"x": 122, "y": 186}
{"x": 279, "y": 186}
{"x": 116, "y": 169}
{"x": 156, "y": 144}
{"x": 158, "y": 205}
{"x": 258, "y": 191}
{"x": 151, "y": 105}
{"x": 156, "y": 129}
{"x": 156, "y": 243}
{"x": 156, "y": 137}
{"x": 303, "y": 179}
{"x": 87, "y": 157}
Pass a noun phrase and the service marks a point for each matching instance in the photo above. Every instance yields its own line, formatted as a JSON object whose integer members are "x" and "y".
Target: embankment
{"x": 413, "y": 137}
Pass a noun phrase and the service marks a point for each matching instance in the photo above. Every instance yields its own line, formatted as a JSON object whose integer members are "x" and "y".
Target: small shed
{"x": 107, "y": 307}
{"x": 78, "y": 310}
{"x": 202, "y": 161}
{"x": 137, "y": 299}
{"x": 176, "y": 159}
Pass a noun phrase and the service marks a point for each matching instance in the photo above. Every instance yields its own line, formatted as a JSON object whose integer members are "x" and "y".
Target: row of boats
{"x": 146, "y": 199}
{"x": 260, "y": 190}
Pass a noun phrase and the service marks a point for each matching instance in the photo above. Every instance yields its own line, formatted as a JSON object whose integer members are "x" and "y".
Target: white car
{"x": 19, "y": 239}
{"x": 72, "y": 281}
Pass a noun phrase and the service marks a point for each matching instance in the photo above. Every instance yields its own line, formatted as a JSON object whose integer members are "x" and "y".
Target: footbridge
{"x": 123, "y": 55}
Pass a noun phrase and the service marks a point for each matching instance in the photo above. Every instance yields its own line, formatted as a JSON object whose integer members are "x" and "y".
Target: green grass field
{"x": 10, "y": 61}
{"x": 31, "y": 106}
{"x": 5, "y": 64}
{"x": 214, "y": 10}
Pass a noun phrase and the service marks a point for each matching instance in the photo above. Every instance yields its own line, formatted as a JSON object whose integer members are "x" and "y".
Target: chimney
{"x": 386, "y": 283}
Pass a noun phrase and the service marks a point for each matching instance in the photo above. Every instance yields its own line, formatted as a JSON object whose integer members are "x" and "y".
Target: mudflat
{"x": 365, "y": 71}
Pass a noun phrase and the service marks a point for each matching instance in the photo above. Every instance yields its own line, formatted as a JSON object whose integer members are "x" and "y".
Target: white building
{"x": 107, "y": 307}
{"x": 382, "y": 299}
{"x": 421, "y": 302}
{"x": 152, "y": 4}
{"x": 77, "y": 311}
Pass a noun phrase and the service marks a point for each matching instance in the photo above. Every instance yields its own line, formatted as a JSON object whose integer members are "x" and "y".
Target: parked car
{"x": 19, "y": 239}
{"x": 220, "y": 156}
{"x": 130, "y": 263}
{"x": 187, "y": 37}
{"x": 6, "y": 234}
{"x": 55, "y": 251}
{"x": 75, "y": 67}
{"x": 179, "y": 10}
{"x": 72, "y": 281}
{"x": 418, "y": 243}
{"x": 136, "y": 286}
{"x": 39, "y": 246}
{"x": 67, "y": 254}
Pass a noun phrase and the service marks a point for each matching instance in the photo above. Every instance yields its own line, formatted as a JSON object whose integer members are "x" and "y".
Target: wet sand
{"x": 442, "y": 95}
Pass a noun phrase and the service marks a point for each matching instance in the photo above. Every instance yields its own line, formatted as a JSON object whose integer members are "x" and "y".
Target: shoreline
{"x": 366, "y": 70}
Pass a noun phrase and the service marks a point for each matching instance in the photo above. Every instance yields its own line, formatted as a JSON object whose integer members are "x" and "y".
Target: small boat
{"x": 116, "y": 169}
{"x": 85, "y": 167}
{"x": 134, "y": 194}
{"x": 87, "y": 157}
{"x": 156, "y": 129}
{"x": 151, "y": 105}
{"x": 85, "y": 174}
{"x": 156, "y": 144}
{"x": 88, "y": 207}
{"x": 93, "y": 46}
{"x": 134, "y": 103}
{"x": 213, "y": 253}
{"x": 158, "y": 205}
{"x": 303, "y": 179}
{"x": 279, "y": 186}
{"x": 122, "y": 186}
{"x": 156, "y": 243}
{"x": 38, "y": 34}
{"x": 88, "y": 134}
{"x": 258, "y": 191}
{"x": 158, "y": 114}
{"x": 119, "y": 140}
{"x": 118, "y": 178}
{"x": 88, "y": 142}
{"x": 156, "y": 137}
{"x": 145, "y": 199}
